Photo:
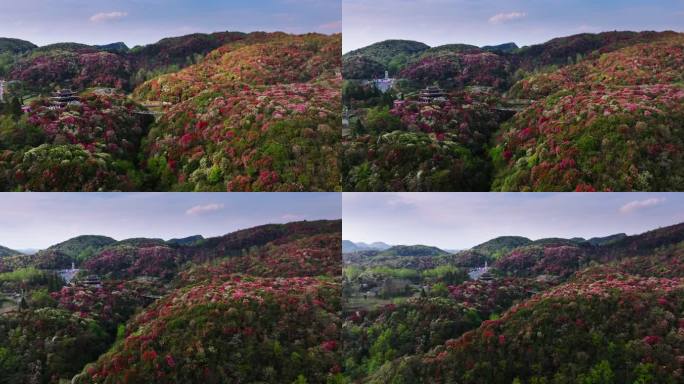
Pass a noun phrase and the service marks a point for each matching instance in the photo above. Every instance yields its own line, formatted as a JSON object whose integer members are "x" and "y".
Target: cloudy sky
{"x": 147, "y": 21}
{"x": 485, "y": 22}
{"x": 38, "y": 220}
{"x": 463, "y": 220}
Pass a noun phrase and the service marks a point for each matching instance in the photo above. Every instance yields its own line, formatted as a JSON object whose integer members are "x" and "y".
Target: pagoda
{"x": 486, "y": 277}
{"x": 432, "y": 94}
{"x": 2, "y": 91}
{"x": 64, "y": 97}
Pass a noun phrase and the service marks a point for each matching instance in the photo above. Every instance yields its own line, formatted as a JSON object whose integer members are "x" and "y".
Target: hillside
{"x": 82, "y": 248}
{"x": 389, "y": 55}
{"x": 269, "y": 108}
{"x": 505, "y": 48}
{"x": 573, "y": 333}
{"x": 186, "y": 240}
{"x": 413, "y": 250}
{"x": 349, "y": 246}
{"x": 267, "y": 102}
{"x": 4, "y": 251}
{"x": 161, "y": 311}
{"x": 111, "y": 65}
{"x": 552, "y": 310}
{"x": 15, "y": 45}
{"x": 633, "y": 89}
{"x": 501, "y": 245}
{"x": 588, "y": 112}
{"x": 90, "y": 146}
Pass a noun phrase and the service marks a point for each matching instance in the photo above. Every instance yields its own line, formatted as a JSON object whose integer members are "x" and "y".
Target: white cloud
{"x": 639, "y": 204}
{"x": 506, "y": 17}
{"x": 107, "y": 16}
{"x": 201, "y": 209}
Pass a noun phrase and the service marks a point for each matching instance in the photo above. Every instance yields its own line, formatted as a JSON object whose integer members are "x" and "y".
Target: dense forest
{"x": 221, "y": 112}
{"x": 601, "y": 310}
{"x": 195, "y": 310}
{"x": 590, "y": 112}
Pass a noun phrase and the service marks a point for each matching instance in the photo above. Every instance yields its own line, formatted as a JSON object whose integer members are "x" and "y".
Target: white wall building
{"x": 2, "y": 91}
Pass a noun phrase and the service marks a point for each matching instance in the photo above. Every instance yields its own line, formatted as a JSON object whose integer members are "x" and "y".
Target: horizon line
{"x": 515, "y": 42}
{"x": 165, "y": 239}
{"x": 172, "y": 37}
{"x": 530, "y": 238}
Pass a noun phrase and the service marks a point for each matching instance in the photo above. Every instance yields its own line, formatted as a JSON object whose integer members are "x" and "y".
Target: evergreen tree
{"x": 15, "y": 108}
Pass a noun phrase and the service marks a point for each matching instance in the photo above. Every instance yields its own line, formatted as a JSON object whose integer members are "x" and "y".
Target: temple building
{"x": 91, "y": 281}
{"x": 64, "y": 97}
{"x": 432, "y": 94}
{"x": 384, "y": 85}
{"x": 481, "y": 273}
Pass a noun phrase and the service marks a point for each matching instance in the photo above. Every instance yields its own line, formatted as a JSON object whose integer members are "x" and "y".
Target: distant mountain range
{"x": 396, "y": 55}
{"x": 82, "y": 248}
{"x": 350, "y": 246}
{"x": 114, "y": 63}
{"x": 29, "y": 251}
{"x": 492, "y": 249}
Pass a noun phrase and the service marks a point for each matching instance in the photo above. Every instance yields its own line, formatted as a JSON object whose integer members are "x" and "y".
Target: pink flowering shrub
{"x": 556, "y": 260}
{"x": 309, "y": 256}
{"x": 655, "y": 62}
{"x": 495, "y": 297}
{"x": 440, "y": 146}
{"x": 458, "y": 69}
{"x": 112, "y": 304}
{"x": 629, "y": 328}
{"x": 129, "y": 262}
{"x": 47, "y": 345}
{"x": 88, "y": 147}
{"x": 623, "y": 139}
{"x": 82, "y": 69}
{"x": 60, "y": 168}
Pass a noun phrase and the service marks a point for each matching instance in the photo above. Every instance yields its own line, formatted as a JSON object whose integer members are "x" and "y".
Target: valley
{"x": 588, "y": 112}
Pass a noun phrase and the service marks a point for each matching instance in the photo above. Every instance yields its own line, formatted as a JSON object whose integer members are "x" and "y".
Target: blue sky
{"x": 38, "y": 220}
{"x": 484, "y": 22}
{"x": 147, "y": 21}
{"x": 463, "y": 220}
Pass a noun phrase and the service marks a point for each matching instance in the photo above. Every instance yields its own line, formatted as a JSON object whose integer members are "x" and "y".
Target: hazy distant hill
{"x": 501, "y": 245}
{"x": 350, "y": 246}
{"x": 120, "y": 47}
{"x": 186, "y": 240}
{"x": 15, "y": 45}
{"x": 4, "y": 251}
{"x": 373, "y": 60}
{"x": 506, "y": 48}
{"x": 82, "y": 247}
